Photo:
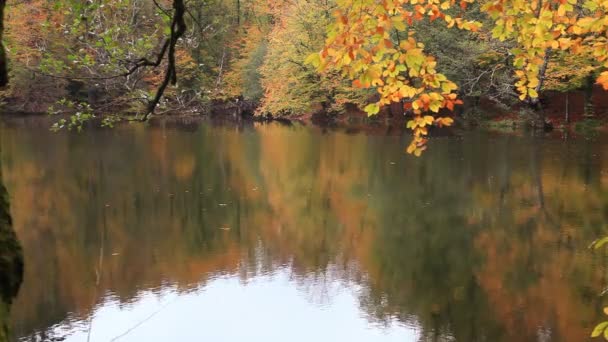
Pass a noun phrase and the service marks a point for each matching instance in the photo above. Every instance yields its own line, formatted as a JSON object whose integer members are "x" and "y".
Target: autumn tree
{"x": 546, "y": 30}
{"x": 105, "y": 49}
{"x": 374, "y": 44}
{"x": 291, "y": 86}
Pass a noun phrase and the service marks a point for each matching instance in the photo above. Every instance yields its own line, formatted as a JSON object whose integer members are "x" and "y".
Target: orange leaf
{"x": 603, "y": 80}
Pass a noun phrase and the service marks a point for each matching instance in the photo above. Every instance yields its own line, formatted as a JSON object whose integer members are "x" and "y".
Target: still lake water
{"x": 274, "y": 233}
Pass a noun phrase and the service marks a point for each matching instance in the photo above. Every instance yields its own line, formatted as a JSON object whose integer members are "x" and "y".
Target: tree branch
{"x": 178, "y": 28}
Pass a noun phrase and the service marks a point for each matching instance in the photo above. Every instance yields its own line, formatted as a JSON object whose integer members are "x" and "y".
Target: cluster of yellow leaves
{"x": 542, "y": 26}
{"x": 371, "y": 42}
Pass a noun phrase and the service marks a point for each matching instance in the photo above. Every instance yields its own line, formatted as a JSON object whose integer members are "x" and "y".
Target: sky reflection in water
{"x": 264, "y": 308}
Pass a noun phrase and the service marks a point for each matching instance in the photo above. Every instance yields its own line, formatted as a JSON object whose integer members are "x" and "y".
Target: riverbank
{"x": 577, "y": 112}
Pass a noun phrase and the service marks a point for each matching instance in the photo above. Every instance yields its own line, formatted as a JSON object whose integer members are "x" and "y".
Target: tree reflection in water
{"x": 484, "y": 238}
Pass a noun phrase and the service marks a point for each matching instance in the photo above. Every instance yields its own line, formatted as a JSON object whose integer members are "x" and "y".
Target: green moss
{"x": 506, "y": 124}
{"x": 587, "y": 126}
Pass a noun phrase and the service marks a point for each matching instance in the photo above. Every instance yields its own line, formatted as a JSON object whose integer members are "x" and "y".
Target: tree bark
{"x": 535, "y": 102}
{"x": 567, "y": 107}
{"x": 238, "y": 12}
{"x": 589, "y": 110}
{"x": 3, "y": 61}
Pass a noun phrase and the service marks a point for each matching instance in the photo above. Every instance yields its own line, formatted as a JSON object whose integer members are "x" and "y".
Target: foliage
{"x": 567, "y": 72}
{"x": 541, "y": 27}
{"x": 91, "y": 52}
{"x": 79, "y": 113}
{"x": 602, "y": 328}
{"x": 267, "y": 63}
{"x": 374, "y": 44}
{"x": 290, "y": 86}
{"x": 243, "y": 78}
{"x": 426, "y": 55}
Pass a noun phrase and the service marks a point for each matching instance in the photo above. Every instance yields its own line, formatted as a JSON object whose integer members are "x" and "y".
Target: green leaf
{"x": 372, "y": 109}
{"x": 398, "y": 24}
{"x": 590, "y": 5}
{"x": 599, "y": 243}
{"x": 313, "y": 59}
{"x": 599, "y": 329}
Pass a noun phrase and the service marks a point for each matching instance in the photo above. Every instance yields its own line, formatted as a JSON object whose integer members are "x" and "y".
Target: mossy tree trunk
{"x": 11, "y": 263}
{"x": 11, "y": 256}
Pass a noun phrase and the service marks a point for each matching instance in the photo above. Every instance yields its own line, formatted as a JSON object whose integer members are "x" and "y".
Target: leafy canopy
{"x": 372, "y": 43}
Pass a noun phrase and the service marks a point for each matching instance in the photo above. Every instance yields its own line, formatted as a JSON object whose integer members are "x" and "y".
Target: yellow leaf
{"x": 532, "y": 93}
{"x": 398, "y": 24}
{"x": 533, "y": 83}
{"x": 313, "y": 59}
{"x": 445, "y": 121}
{"x": 411, "y": 148}
{"x": 434, "y": 107}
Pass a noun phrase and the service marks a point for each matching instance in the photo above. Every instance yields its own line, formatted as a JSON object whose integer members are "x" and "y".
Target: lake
{"x": 266, "y": 232}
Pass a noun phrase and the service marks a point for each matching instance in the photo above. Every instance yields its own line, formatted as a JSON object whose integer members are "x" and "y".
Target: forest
{"x": 303, "y": 170}
{"x": 430, "y": 61}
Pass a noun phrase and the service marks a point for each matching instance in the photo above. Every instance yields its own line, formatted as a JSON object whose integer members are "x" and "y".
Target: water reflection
{"x": 284, "y": 232}
{"x": 264, "y": 308}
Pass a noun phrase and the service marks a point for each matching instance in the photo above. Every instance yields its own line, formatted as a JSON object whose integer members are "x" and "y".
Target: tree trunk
{"x": 567, "y": 107}
{"x": 238, "y": 12}
{"x": 535, "y": 102}
{"x": 589, "y": 110}
{"x": 3, "y": 61}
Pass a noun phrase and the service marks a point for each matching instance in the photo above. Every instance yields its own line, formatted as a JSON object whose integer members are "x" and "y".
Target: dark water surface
{"x": 273, "y": 233}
